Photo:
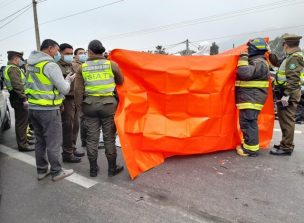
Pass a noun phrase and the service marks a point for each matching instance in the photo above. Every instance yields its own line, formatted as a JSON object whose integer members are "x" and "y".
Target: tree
{"x": 186, "y": 52}
{"x": 214, "y": 49}
{"x": 160, "y": 50}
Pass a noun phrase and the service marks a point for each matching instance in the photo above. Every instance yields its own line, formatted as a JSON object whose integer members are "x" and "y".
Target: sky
{"x": 143, "y": 24}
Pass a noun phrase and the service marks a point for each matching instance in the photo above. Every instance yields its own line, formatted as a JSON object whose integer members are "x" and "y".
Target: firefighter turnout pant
{"x": 249, "y": 128}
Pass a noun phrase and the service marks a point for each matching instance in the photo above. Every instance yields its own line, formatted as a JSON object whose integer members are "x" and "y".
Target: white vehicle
{"x": 5, "y": 117}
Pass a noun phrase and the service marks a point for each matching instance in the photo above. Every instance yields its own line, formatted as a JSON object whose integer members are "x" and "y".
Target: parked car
{"x": 5, "y": 117}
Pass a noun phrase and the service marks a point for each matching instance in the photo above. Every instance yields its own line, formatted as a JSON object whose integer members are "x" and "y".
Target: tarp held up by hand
{"x": 173, "y": 105}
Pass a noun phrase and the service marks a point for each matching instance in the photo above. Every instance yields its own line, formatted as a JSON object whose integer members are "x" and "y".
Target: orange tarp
{"x": 171, "y": 105}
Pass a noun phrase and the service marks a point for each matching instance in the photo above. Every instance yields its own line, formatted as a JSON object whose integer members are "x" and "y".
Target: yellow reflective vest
{"x": 7, "y": 79}
{"x": 39, "y": 89}
{"x": 98, "y": 77}
{"x": 281, "y": 79}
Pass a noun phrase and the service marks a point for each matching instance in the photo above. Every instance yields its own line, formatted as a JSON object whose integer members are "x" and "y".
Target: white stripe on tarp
{"x": 74, "y": 178}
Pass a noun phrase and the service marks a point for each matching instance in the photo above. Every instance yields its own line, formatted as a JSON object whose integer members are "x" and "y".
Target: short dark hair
{"x": 96, "y": 47}
{"x": 292, "y": 44}
{"x": 76, "y": 51}
{"x": 47, "y": 43}
{"x": 64, "y": 46}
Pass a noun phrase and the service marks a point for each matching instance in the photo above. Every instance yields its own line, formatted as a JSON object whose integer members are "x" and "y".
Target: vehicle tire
{"x": 7, "y": 123}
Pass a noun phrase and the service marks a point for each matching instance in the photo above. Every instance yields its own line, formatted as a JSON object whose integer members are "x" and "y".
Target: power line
{"x": 226, "y": 15}
{"x": 14, "y": 13}
{"x": 61, "y": 18}
{"x": 25, "y": 10}
{"x": 81, "y": 12}
{"x": 236, "y": 35}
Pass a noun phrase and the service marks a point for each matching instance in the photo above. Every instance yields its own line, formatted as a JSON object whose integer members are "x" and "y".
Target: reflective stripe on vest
{"x": 98, "y": 77}
{"x": 281, "y": 75}
{"x": 249, "y": 105}
{"x": 7, "y": 79}
{"x": 252, "y": 84}
{"x": 39, "y": 88}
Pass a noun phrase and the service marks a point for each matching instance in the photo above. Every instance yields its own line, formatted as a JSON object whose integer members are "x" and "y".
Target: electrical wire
{"x": 14, "y": 13}
{"x": 212, "y": 18}
{"x": 24, "y": 11}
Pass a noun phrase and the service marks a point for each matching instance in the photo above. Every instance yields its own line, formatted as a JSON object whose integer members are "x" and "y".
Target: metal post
{"x": 36, "y": 24}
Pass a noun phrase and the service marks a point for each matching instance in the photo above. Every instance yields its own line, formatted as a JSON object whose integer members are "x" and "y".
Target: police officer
{"x": 70, "y": 114}
{"x": 94, "y": 86}
{"x": 288, "y": 91}
{"x": 80, "y": 57}
{"x": 251, "y": 93}
{"x": 14, "y": 79}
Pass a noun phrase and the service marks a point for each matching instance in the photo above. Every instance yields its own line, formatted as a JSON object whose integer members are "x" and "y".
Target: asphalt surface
{"x": 216, "y": 188}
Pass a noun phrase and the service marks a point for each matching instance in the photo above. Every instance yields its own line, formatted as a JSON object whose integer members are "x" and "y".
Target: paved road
{"x": 215, "y": 188}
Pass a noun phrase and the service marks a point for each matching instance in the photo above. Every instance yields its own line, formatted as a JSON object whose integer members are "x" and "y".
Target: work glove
{"x": 25, "y": 104}
{"x": 70, "y": 77}
{"x": 243, "y": 60}
{"x": 284, "y": 101}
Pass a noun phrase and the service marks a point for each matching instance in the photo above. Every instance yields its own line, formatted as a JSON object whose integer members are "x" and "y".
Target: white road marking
{"x": 296, "y": 131}
{"x": 74, "y": 178}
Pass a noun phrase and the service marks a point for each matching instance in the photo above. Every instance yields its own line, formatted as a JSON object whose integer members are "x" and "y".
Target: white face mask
{"x": 57, "y": 57}
{"x": 68, "y": 58}
{"x": 21, "y": 63}
{"x": 83, "y": 58}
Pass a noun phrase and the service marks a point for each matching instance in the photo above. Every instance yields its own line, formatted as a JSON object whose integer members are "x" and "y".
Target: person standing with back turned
{"x": 94, "y": 86}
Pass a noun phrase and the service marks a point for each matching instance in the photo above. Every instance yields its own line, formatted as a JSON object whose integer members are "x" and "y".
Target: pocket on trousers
{"x": 87, "y": 101}
{"x": 109, "y": 100}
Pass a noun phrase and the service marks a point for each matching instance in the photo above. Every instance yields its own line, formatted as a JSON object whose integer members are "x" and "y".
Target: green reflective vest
{"x": 281, "y": 79}
{"x": 98, "y": 77}
{"x": 39, "y": 89}
{"x": 7, "y": 79}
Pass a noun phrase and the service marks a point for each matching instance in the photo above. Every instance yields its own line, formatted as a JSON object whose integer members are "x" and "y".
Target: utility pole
{"x": 187, "y": 47}
{"x": 36, "y": 24}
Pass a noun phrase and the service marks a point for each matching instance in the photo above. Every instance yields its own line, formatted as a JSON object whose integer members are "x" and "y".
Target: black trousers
{"x": 250, "y": 129}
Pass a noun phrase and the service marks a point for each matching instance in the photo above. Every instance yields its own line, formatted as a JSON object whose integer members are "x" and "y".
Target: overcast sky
{"x": 223, "y": 21}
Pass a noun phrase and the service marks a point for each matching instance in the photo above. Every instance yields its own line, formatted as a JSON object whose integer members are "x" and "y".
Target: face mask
{"x": 57, "y": 57}
{"x": 21, "y": 63}
{"x": 68, "y": 58}
{"x": 83, "y": 58}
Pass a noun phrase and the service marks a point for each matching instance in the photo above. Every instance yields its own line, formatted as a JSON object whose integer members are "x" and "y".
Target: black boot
{"x": 114, "y": 169}
{"x": 93, "y": 168}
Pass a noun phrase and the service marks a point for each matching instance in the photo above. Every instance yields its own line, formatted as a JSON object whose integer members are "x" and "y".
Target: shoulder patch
{"x": 292, "y": 66}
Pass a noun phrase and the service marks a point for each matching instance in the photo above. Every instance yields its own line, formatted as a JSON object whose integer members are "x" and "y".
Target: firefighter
{"x": 251, "y": 93}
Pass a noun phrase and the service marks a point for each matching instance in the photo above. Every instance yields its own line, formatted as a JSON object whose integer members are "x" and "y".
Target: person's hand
{"x": 284, "y": 101}
{"x": 70, "y": 77}
{"x": 243, "y": 60}
{"x": 268, "y": 48}
{"x": 25, "y": 104}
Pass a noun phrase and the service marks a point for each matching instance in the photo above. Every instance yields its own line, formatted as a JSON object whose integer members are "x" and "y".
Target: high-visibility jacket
{"x": 252, "y": 84}
{"x": 280, "y": 79}
{"x": 98, "y": 77}
{"x": 7, "y": 79}
{"x": 39, "y": 89}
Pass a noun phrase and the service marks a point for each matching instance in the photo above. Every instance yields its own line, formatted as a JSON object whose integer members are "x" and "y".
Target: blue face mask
{"x": 21, "y": 63}
{"x": 57, "y": 57}
{"x": 68, "y": 58}
{"x": 83, "y": 58}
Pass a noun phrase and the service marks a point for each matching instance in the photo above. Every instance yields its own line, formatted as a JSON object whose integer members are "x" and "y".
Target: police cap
{"x": 291, "y": 38}
{"x": 20, "y": 54}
